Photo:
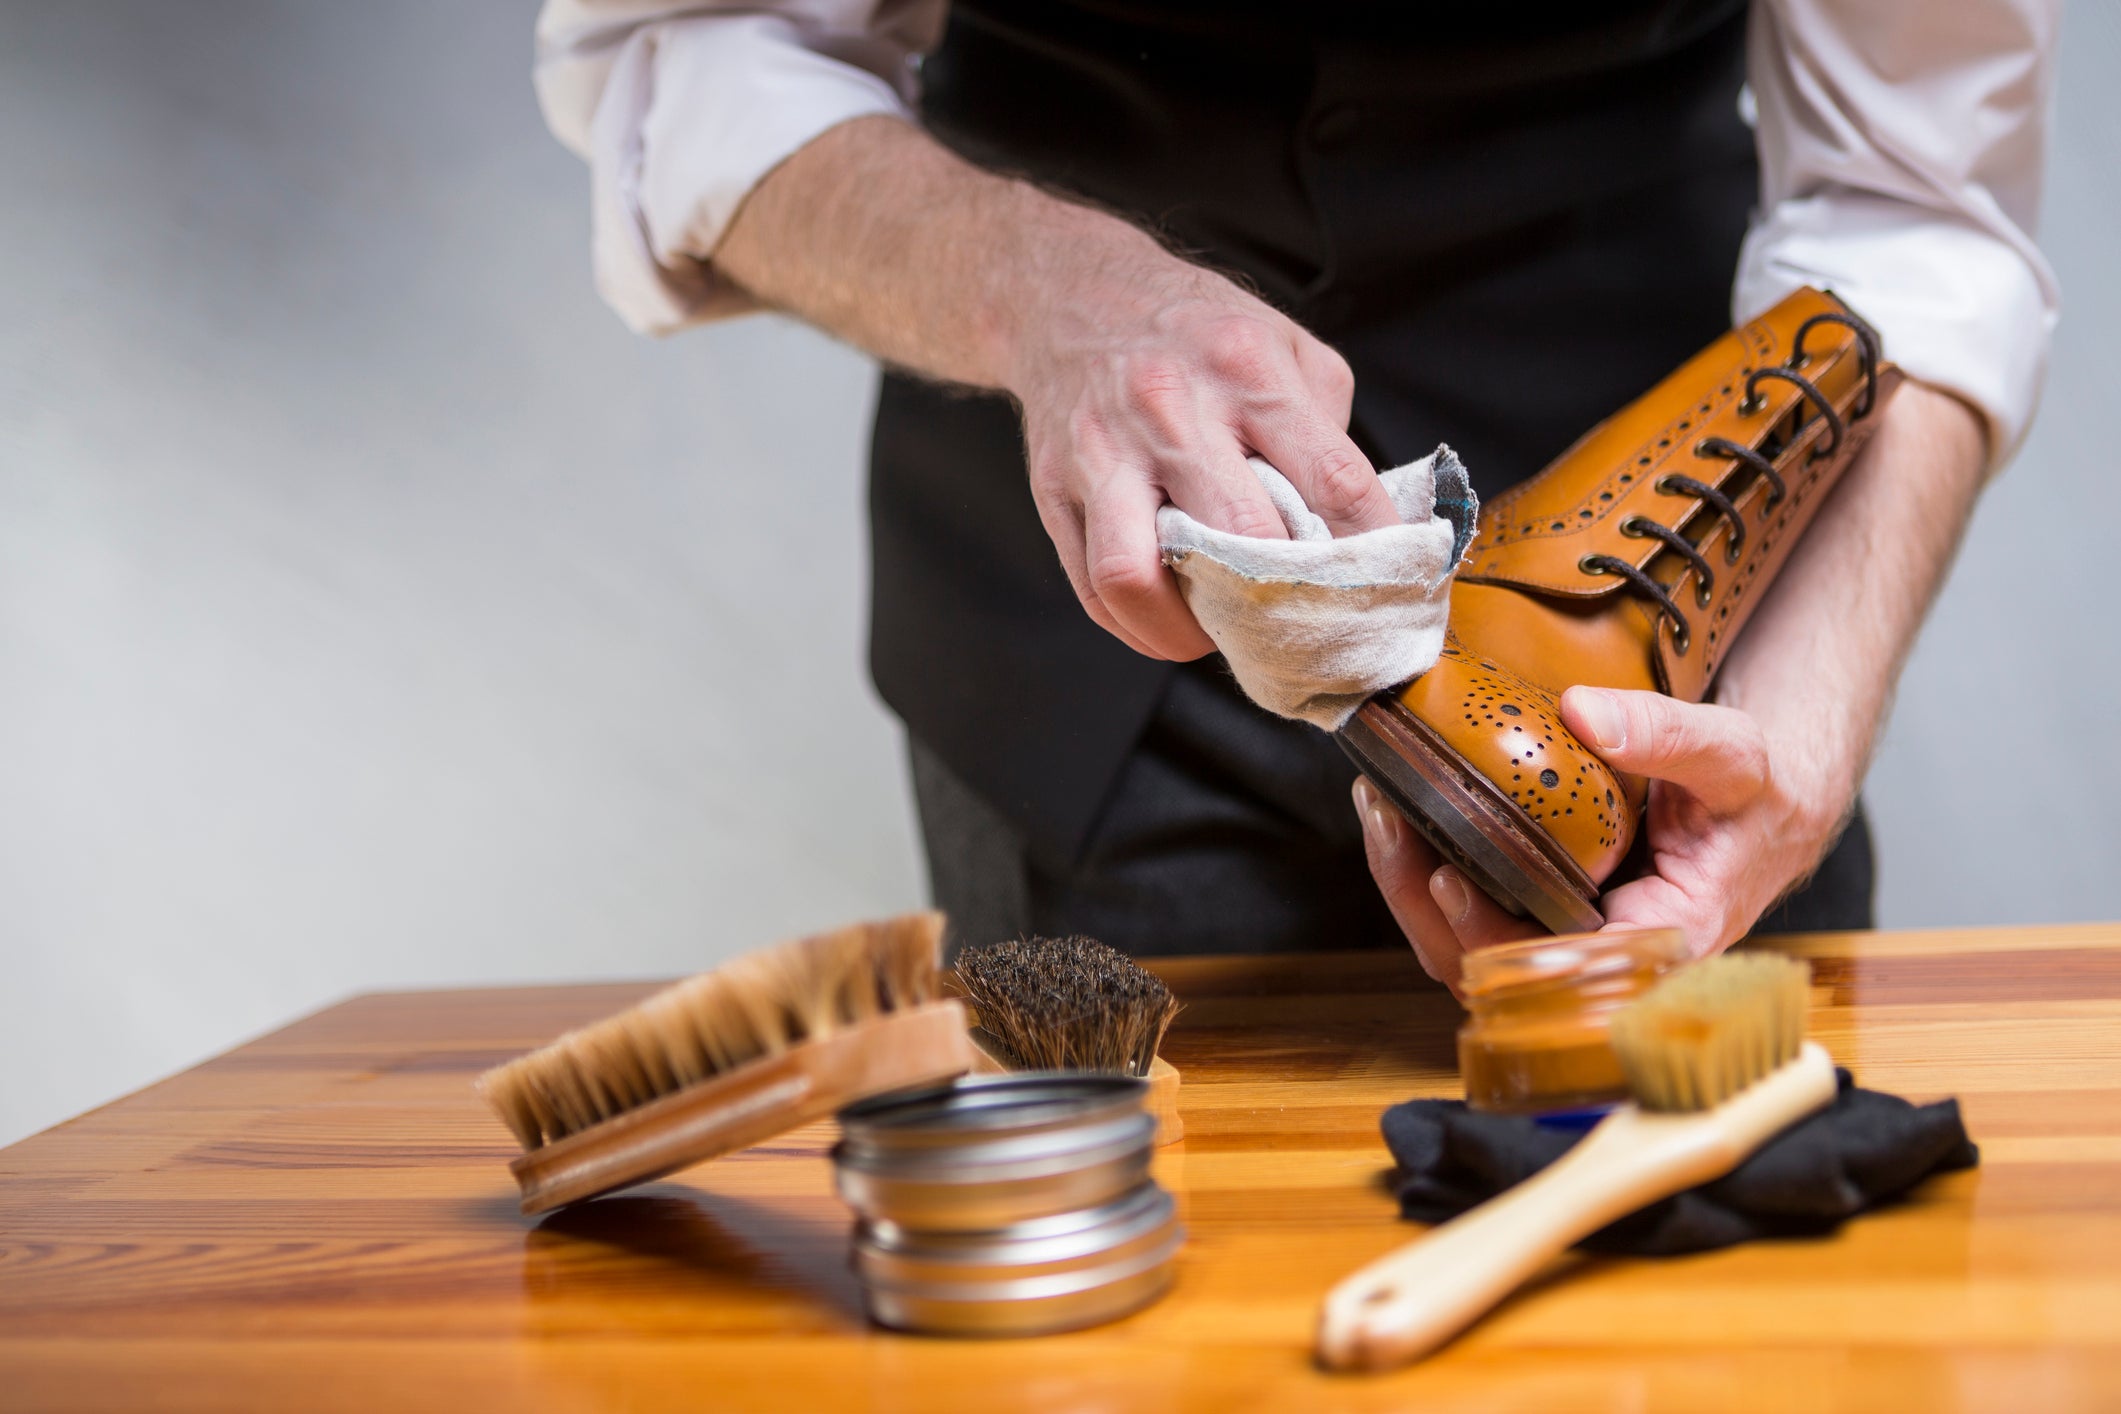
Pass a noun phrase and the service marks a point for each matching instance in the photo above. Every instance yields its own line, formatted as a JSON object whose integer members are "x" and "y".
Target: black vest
{"x": 1509, "y": 225}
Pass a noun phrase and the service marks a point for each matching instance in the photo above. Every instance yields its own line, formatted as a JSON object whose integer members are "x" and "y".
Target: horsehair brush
{"x": 1074, "y": 1004}
{"x": 1716, "y": 1058}
{"x": 720, "y": 1061}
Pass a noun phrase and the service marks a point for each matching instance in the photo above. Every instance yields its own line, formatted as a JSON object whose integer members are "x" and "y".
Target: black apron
{"x": 1509, "y": 219}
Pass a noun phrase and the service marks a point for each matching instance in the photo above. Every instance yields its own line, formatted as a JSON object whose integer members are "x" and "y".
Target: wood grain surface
{"x": 323, "y": 1219}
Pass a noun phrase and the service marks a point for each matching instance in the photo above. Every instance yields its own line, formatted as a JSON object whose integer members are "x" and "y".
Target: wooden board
{"x": 324, "y": 1219}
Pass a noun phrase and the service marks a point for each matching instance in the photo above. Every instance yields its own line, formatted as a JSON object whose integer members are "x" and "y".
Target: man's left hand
{"x": 1728, "y": 834}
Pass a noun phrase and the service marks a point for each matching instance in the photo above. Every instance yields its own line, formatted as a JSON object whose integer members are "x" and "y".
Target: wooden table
{"x": 323, "y": 1219}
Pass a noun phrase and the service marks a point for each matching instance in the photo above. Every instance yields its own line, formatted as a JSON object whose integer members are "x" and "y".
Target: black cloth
{"x": 1228, "y": 830}
{"x": 1863, "y": 1150}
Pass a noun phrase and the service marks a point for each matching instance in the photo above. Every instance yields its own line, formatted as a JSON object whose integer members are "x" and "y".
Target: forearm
{"x": 1143, "y": 379}
{"x": 878, "y": 234}
{"x": 1817, "y": 665}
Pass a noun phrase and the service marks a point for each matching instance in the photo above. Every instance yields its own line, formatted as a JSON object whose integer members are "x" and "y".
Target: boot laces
{"x": 1763, "y": 467}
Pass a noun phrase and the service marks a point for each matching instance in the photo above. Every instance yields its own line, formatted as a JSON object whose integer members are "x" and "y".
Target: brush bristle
{"x": 1706, "y": 1032}
{"x": 1067, "y": 1004}
{"x": 753, "y": 1007}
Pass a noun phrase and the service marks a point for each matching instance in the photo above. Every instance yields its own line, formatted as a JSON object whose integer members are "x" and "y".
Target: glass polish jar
{"x": 1534, "y": 1040}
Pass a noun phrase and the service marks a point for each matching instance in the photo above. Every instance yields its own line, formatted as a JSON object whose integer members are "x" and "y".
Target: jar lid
{"x": 1539, "y": 963}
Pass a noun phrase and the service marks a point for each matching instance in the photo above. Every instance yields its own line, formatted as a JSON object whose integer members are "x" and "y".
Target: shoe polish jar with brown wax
{"x": 1535, "y": 1038}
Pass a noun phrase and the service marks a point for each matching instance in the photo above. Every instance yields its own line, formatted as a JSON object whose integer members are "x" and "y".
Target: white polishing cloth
{"x": 1312, "y": 625}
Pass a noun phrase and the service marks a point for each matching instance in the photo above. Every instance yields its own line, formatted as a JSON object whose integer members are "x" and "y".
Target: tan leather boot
{"x": 1632, "y": 561}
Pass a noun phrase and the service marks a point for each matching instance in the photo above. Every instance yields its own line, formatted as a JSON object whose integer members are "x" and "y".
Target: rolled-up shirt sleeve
{"x": 1902, "y": 144}
{"x": 682, "y": 110}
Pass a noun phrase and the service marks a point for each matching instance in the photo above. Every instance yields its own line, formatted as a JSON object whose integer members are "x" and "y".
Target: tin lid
{"x": 1137, "y": 1223}
{"x": 981, "y": 1191}
{"x": 983, "y": 1109}
{"x": 992, "y": 1158}
{"x": 1040, "y": 1305}
{"x": 1147, "y": 1195}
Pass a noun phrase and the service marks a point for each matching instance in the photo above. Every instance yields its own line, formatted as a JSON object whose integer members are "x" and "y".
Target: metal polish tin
{"x": 987, "y": 1152}
{"x": 1049, "y": 1274}
{"x": 1007, "y": 1205}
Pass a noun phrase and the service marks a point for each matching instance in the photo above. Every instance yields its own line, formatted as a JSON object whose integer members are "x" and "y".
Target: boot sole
{"x": 1469, "y": 821}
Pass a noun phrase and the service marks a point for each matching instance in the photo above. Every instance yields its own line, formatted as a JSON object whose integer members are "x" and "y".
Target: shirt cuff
{"x": 1956, "y": 306}
{"x": 694, "y": 115}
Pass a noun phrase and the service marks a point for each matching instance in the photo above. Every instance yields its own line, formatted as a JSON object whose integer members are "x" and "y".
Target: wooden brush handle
{"x": 1407, "y": 1304}
{"x": 753, "y": 1102}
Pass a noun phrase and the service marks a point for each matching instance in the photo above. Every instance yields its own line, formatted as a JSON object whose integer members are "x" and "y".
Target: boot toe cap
{"x": 1509, "y": 730}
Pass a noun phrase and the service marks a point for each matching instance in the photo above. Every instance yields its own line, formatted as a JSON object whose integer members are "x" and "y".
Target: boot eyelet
{"x": 1809, "y": 392}
{"x": 1640, "y": 580}
{"x": 1703, "y": 589}
{"x": 1632, "y": 526}
{"x": 1750, "y": 404}
{"x": 1664, "y": 487}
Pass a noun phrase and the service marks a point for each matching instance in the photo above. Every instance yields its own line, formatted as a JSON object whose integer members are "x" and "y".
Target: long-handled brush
{"x": 1073, "y": 1004}
{"x": 1718, "y": 1063}
{"x": 723, "y": 1060}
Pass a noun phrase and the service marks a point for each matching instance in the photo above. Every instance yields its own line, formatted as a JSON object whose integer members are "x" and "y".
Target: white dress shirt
{"x": 1902, "y": 145}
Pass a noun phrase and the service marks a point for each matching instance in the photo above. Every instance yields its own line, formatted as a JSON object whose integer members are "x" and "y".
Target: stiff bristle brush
{"x": 1073, "y": 1004}
{"x": 1717, "y": 1061}
{"x": 721, "y": 1061}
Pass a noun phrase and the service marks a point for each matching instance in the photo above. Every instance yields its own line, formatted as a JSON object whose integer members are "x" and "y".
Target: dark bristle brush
{"x": 1073, "y": 1004}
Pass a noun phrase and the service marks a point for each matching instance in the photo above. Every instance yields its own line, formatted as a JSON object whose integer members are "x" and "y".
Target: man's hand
{"x": 1747, "y": 796}
{"x": 1727, "y": 835}
{"x": 1143, "y": 378}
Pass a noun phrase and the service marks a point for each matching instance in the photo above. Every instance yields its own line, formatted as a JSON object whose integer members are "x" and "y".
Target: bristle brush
{"x": 1716, "y": 1058}
{"x": 1073, "y": 1004}
{"x": 720, "y": 1061}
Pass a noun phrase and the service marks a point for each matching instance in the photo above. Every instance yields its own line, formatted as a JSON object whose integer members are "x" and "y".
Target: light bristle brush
{"x": 720, "y": 1061}
{"x": 1717, "y": 1060}
{"x": 1073, "y": 1004}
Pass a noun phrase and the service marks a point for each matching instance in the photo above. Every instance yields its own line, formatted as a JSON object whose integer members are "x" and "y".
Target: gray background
{"x": 376, "y": 612}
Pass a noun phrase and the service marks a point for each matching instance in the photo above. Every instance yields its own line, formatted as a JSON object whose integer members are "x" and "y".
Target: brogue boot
{"x": 1633, "y": 561}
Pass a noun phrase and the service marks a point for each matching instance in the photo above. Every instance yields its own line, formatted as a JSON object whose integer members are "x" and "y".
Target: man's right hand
{"x": 1143, "y": 378}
